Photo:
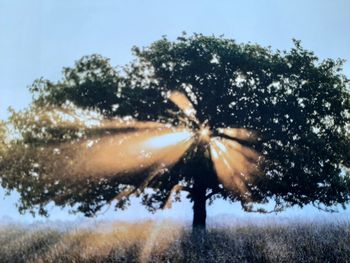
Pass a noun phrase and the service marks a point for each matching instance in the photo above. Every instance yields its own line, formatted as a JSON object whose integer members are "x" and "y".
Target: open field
{"x": 170, "y": 242}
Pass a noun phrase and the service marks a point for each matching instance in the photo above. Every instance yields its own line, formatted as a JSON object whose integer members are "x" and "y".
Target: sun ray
{"x": 239, "y": 161}
{"x": 132, "y": 123}
{"x": 239, "y": 133}
{"x": 226, "y": 173}
{"x": 134, "y": 152}
{"x": 181, "y": 101}
{"x": 249, "y": 153}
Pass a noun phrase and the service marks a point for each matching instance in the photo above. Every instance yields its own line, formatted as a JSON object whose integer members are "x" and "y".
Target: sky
{"x": 39, "y": 38}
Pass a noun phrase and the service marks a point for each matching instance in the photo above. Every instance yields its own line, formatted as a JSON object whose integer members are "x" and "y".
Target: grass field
{"x": 151, "y": 241}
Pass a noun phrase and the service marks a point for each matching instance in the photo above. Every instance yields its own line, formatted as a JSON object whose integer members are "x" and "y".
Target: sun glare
{"x": 183, "y": 103}
{"x": 167, "y": 139}
{"x": 132, "y": 150}
{"x": 204, "y": 135}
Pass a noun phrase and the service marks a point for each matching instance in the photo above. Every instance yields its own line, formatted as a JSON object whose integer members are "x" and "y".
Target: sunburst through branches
{"x": 135, "y": 152}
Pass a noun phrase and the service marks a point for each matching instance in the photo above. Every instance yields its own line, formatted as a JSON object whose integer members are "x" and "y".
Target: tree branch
{"x": 141, "y": 187}
{"x": 213, "y": 192}
{"x": 176, "y": 188}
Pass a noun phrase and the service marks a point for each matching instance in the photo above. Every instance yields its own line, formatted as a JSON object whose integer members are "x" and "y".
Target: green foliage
{"x": 90, "y": 84}
{"x": 2, "y": 137}
{"x": 299, "y": 105}
{"x": 37, "y": 162}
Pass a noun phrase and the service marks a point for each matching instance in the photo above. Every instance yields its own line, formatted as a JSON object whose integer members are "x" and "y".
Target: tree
{"x": 297, "y": 107}
{"x": 2, "y": 139}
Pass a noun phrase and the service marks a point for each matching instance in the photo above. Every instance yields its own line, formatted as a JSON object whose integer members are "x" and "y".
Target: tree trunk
{"x": 199, "y": 209}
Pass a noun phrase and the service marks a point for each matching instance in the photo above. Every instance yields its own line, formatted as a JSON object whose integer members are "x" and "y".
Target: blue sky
{"x": 38, "y": 38}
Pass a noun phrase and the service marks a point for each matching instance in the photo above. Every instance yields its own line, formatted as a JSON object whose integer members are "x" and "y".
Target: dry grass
{"x": 169, "y": 242}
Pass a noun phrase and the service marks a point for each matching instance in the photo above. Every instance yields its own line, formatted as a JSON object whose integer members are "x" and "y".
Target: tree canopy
{"x": 299, "y": 107}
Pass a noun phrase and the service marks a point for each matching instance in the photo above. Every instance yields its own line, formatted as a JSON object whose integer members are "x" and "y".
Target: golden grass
{"x": 166, "y": 241}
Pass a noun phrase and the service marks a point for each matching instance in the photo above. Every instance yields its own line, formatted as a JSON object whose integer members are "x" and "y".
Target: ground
{"x": 165, "y": 241}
